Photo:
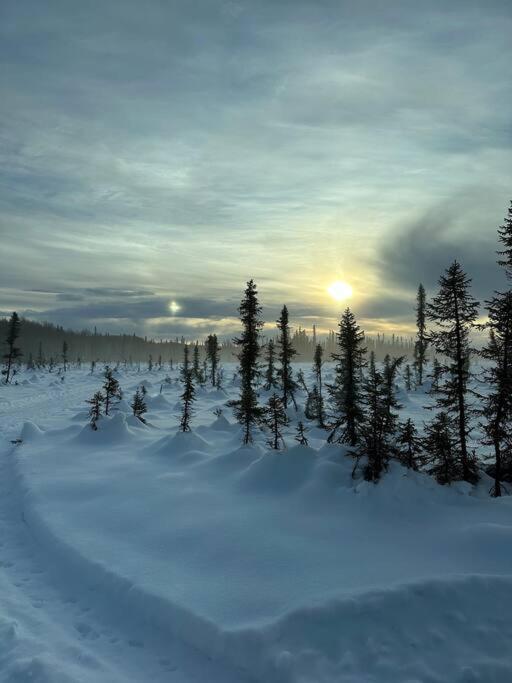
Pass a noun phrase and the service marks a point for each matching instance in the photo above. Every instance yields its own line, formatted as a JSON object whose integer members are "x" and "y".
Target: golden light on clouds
{"x": 340, "y": 290}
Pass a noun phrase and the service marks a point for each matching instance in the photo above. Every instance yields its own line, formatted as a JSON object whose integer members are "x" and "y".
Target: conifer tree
{"x": 213, "y": 355}
{"x": 196, "y": 364}
{"x": 13, "y": 352}
{"x": 442, "y": 449}
{"x": 454, "y": 311}
{"x": 96, "y": 403}
{"x": 312, "y": 407}
{"x": 317, "y": 369}
{"x": 270, "y": 372}
{"x": 187, "y": 398}
{"x": 64, "y": 355}
{"x": 275, "y": 419}
{"x": 40, "y": 362}
{"x": 112, "y": 390}
{"x": 301, "y": 381}
{"x": 247, "y": 411}
{"x": 345, "y": 392}
{"x": 409, "y": 445}
{"x": 138, "y": 406}
{"x": 150, "y": 363}
{"x": 301, "y": 434}
{"x": 376, "y": 430}
{"x": 389, "y": 374}
{"x": 30, "y": 362}
{"x": 184, "y": 370}
{"x": 436, "y": 375}
{"x": 505, "y": 237}
{"x": 421, "y": 344}
{"x": 286, "y": 354}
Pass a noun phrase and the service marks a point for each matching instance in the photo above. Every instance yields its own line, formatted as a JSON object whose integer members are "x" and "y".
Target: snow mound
{"x": 279, "y": 471}
{"x": 222, "y": 424}
{"x": 111, "y": 430}
{"x": 30, "y": 431}
{"x": 180, "y": 443}
{"x": 158, "y": 402}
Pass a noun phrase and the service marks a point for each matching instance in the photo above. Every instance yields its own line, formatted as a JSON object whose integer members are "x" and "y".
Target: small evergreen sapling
{"x": 112, "y": 390}
{"x": 300, "y": 436}
{"x": 441, "y": 450}
{"x": 187, "y": 399}
{"x": 409, "y": 445}
{"x": 138, "y": 405}
{"x": 96, "y": 403}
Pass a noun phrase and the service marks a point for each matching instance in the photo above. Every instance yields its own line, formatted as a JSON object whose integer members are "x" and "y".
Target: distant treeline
{"x": 45, "y": 341}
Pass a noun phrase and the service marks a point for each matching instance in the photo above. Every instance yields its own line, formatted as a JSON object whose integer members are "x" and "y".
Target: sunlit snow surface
{"x": 246, "y": 563}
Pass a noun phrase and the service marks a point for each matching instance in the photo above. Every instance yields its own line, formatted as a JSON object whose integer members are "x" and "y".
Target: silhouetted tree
{"x": 409, "y": 445}
{"x": 505, "y": 237}
{"x": 421, "y": 344}
{"x": 111, "y": 389}
{"x": 345, "y": 392}
{"x": 270, "y": 372}
{"x": 408, "y": 377}
{"x": 64, "y": 355}
{"x": 246, "y": 409}
{"x": 138, "y": 406}
{"x": 96, "y": 403}
{"x": 40, "y": 362}
{"x": 275, "y": 418}
{"x": 301, "y": 434}
{"x": 185, "y": 368}
{"x": 286, "y": 354}
{"x": 13, "y": 352}
{"x": 389, "y": 374}
{"x": 213, "y": 355}
{"x": 454, "y": 311}
{"x": 317, "y": 369}
{"x": 187, "y": 399}
{"x": 442, "y": 449}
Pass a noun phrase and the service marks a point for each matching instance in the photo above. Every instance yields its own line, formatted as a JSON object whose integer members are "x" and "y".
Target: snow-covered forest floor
{"x": 136, "y": 553}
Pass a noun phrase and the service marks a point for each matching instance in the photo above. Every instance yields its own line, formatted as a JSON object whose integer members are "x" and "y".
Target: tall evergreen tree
{"x": 275, "y": 418}
{"x": 505, "y": 237}
{"x": 213, "y": 355}
{"x": 185, "y": 368}
{"x": 421, "y": 344}
{"x": 247, "y": 411}
{"x": 454, "y": 312}
{"x": 375, "y": 441}
{"x": 13, "y": 352}
{"x": 187, "y": 399}
{"x": 112, "y": 390}
{"x": 196, "y": 363}
{"x": 408, "y": 377}
{"x": 64, "y": 355}
{"x": 286, "y": 354}
{"x": 270, "y": 371}
{"x": 317, "y": 369}
{"x": 345, "y": 392}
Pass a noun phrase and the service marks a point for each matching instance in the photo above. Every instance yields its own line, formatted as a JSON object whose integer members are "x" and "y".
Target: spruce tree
{"x": 187, "y": 399}
{"x": 64, "y": 355}
{"x": 442, "y": 450}
{"x": 96, "y": 403}
{"x": 454, "y": 312}
{"x": 317, "y": 369}
{"x": 138, "y": 406}
{"x": 246, "y": 408}
{"x": 40, "y": 362}
{"x": 421, "y": 344}
{"x": 196, "y": 363}
{"x": 301, "y": 434}
{"x": 13, "y": 352}
{"x": 409, "y": 445}
{"x": 185, "y": 368}
{"x": 437, "y": 372}
{"x": 150, "y": 363}
{"x": 213, "y": 355}
{"x": 286, "y": 354}
{"x": 389, "y": 374}
{"x": 270, "y": 371}
{"x": 111, "y": 389}
{"x": 345, "y": 392}
{"x": 275, "y": 418}
{"x": 505, "y": 237}
{"x": 376, "y": 430}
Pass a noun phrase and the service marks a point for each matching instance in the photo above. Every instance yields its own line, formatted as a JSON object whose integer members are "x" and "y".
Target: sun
{"x": 340, "y": 290}
{"x": 174, "y": 307}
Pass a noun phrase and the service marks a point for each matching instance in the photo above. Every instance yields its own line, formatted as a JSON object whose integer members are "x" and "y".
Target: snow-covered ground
{"x": 138, "y": 554}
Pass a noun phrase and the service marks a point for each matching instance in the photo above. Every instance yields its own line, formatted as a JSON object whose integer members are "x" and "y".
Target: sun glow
{"x": 174, "y": 307}
{"x": 340, "y": 290}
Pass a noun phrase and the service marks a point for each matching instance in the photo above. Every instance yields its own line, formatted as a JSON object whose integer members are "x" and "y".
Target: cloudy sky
{"x": 157, "y": 152}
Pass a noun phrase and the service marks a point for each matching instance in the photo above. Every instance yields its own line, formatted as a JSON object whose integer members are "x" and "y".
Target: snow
{"x": 246, "y": 564}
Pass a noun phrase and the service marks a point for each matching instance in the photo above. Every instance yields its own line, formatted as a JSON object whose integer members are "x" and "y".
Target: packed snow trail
{"x": 53, "y": 629}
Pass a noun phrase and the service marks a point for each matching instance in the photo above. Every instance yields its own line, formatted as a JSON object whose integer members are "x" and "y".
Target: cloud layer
{"x": 173, "y": 150}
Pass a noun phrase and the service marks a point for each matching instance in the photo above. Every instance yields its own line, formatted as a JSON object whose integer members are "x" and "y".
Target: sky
{"x": 154, "y": 156}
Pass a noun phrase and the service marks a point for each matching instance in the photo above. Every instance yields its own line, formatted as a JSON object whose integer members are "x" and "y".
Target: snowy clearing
{"x": 136, "y": 553}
